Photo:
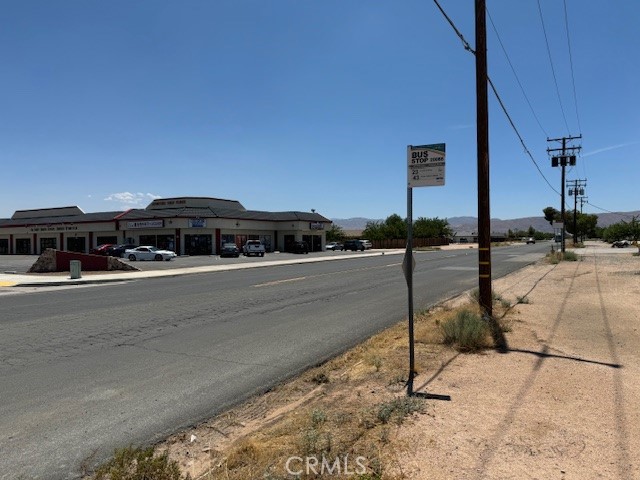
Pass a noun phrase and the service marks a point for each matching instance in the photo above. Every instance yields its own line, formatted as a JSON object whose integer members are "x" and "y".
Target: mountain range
{"x": 470, "y": 224}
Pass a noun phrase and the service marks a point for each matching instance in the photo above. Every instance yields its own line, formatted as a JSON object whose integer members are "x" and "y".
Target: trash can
{"x": 75, "y": 269}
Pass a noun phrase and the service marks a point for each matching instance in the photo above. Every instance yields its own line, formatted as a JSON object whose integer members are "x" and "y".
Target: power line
{"x": 515, "y": 129}
{"x": 573, "y": 81}
{"x": 573, "y": 78}
{"x": 495, "y": 92}
{"x": 553, "y": 70}
{"x": 465, "y": 44}
{"x": 516, "y": 75}
{"x": 609, "y": 211}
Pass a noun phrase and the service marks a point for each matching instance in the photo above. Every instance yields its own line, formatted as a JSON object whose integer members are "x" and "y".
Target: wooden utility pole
{"x": 482, "y": 122}
{"x": 576, "y": 188}
{"x": 563, "y": 160}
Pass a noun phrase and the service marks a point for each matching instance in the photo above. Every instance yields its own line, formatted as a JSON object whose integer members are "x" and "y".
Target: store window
{"x": 106, "y": 240}
{"x": 240, "y": 240}
{"x": 47, "y": 243}
{"x": 77, "y": 244}
{"x": 4, "y": 246}
{"x": 288, "y": 242}
{"x": 314, "y": 242}
{"x": 266, "y": 241}
{"x": 164, "y": 242}
{"x": 227, "y": 238}
{"x": 148, "y": 240}
{"x": 23, "y": 246}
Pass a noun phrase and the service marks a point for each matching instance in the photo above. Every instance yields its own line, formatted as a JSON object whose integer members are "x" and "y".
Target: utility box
{"x": 75, "y": 269}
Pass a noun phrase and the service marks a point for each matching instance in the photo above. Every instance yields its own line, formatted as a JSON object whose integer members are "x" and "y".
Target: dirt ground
{"x": 563, "y": 402}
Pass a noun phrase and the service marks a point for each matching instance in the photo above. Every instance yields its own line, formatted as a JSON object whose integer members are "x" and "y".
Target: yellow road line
{"x": 8, "y": 284}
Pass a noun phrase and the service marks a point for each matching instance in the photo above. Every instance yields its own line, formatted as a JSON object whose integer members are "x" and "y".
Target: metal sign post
{"x": 425, "y": 168}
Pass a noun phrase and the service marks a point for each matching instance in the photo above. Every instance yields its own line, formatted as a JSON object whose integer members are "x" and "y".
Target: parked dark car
{"x": 621, "y": 244}
{"x": 353, "y": 245}
{"x": 230, "y": 250}
{"x": 118, "y": 250}
{"x": 298, "y": 247}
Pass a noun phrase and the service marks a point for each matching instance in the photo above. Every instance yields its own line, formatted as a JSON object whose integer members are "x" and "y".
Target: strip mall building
{"x": 187, "y": 225}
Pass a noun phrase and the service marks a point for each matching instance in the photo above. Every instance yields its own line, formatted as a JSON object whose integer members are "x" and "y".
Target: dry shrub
{"x": 466, "y": 331}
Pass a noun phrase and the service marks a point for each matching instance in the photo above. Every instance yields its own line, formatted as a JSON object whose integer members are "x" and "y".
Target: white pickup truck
{"x": 253, "y": 247}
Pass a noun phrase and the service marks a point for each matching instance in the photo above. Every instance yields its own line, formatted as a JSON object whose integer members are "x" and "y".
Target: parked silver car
{"x": 148, "y": 252}
{"x": 333, "y": 246}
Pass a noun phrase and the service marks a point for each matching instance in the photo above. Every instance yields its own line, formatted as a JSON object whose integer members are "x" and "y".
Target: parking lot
{"x": 22, "y": 263}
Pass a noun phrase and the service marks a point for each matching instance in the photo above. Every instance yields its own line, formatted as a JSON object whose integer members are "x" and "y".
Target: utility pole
{"x": 482, "y": 122}
{"x": 583, "y": 200}
{"x": 576, "y": 187}
{"x": 563, "y": 160}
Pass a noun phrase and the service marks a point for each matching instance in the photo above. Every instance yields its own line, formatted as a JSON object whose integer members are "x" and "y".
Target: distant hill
{"x": 470, "y": 224}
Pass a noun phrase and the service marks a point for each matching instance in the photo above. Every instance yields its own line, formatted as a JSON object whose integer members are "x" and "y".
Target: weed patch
{"x": 466, "y": 331}
{"x": 556, "y": 257}
{"x": 399, "y": 408}
{"x": 139, "y": 464}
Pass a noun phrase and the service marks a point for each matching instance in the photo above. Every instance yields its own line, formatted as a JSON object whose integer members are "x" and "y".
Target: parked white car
{"x": 148, "y": 252}
{"x": 366, "y": 244}
{"x": 334, "y": 246}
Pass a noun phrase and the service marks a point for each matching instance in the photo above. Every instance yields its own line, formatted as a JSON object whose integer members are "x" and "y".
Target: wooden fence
{"x": 402, "y": 242}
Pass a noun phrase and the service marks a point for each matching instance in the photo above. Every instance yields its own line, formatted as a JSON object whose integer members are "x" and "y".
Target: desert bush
{"x": 556, "y": 257}
{"x": 467, "y": 331}
{"x": 570, "y": 256}
{"x": 139, "y": 464}
{"x": 399, "y": 408}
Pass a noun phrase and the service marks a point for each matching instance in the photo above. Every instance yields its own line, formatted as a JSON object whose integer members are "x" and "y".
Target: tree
{"x": 586, "y": 225}
{"x": 623, "y": 231}
{"x": 551, "y": 214}
{"x": 395, "y": 227}
{"x": 335, "y": 233}
{"x": 432, "y": 228}
{"x": 374, "y": 231}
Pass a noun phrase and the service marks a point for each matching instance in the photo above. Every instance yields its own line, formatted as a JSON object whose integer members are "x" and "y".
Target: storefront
{"x": 186, "y": 225}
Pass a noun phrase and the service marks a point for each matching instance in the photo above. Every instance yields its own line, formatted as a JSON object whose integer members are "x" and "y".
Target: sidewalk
{"x": 60, "y": 279}
{"x": 564, "y": 402}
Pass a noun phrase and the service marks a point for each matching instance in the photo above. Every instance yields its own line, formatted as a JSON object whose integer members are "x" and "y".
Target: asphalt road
{"x": 88, "y": 369}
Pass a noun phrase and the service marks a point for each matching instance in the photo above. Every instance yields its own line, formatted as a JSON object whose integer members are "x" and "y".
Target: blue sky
{"x": 294, "y": 105}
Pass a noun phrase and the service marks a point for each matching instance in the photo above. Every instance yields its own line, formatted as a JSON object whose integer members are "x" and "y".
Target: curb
{"x": 189, "y": 271}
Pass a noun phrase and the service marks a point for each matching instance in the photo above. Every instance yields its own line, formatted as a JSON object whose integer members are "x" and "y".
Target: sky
{"x": 298, "y": 105}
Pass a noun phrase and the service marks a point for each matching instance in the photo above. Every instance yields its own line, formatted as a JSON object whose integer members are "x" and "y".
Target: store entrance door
{"x": 198, "y": 244}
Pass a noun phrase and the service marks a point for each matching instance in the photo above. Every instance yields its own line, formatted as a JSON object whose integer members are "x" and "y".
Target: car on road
{"x": 148, "y": 252}
{"x": 101, "y": 249}
{"x": 531, "y": 240}
{"x": 230, "y": 250}
{"x": 118, "y": 250}
{"x": 366, "y": 244}
{"x": 298, "y": 247}
{"x": 621, "y": 244}
{"x": 353, "y": 245}
{"x": 333, "y": 246}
